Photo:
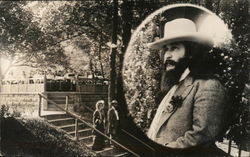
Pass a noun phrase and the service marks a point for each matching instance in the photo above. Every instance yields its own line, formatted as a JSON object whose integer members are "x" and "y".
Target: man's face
{"x": 101, "y": 106}
{"x": 172, "y": 54}
{"x": 115, "y": 105}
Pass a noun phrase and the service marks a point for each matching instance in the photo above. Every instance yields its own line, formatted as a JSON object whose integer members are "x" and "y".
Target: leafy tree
{"x": 36, "y": 37}
{"x": 236, "y": 13}
{"x": 22, "y": 38}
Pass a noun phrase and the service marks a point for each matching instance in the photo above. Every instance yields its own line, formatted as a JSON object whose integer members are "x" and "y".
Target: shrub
{"x": 34, "y": 137}
{"x": 58, "y": 140}
{"x": 5, "y": 112}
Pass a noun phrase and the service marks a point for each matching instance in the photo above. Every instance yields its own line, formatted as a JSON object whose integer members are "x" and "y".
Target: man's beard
{"x": 171, "y": 77}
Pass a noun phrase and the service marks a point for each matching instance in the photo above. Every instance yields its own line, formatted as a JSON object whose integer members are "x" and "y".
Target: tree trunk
{"x": 91, "y": 68}
{"x": 1, "y": 64}
{"x": 99, "y": 53}
{"x": 126, "y": 11}
{"x": 113, "y": 53}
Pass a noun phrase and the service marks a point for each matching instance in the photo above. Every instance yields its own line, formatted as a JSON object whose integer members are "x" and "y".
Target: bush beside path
{"x": 34, "y": 137}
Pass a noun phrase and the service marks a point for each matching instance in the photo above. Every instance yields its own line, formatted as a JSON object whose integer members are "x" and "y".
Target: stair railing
{"x": 67, "y": 102}
{"x": 79, "y": 118}
{"x": 145, "y": 144}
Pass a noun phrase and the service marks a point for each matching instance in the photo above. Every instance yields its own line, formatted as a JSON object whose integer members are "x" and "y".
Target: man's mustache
{"x": 169, "y": 62}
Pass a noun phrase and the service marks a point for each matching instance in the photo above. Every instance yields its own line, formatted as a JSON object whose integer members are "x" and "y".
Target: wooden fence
{"x": 52, "y": 85}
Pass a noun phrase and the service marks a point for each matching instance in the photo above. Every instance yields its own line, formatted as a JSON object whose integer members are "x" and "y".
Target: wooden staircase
{"x": 84, "y": 135}
{"x": 59, "y": 99}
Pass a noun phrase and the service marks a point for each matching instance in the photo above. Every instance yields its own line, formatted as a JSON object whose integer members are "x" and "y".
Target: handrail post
{"x": 45, "y": 84}
{"x": 239, "y": 153}
{"x": 60, "y": 85}
{"x": 67, "y": 103}
{"x": 76, "y": 129}
{"x": 229, "y": 147}
{"x": 40, "y": 105}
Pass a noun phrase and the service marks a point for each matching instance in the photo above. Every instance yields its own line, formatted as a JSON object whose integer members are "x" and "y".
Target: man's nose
{"x": 167, "y": 55}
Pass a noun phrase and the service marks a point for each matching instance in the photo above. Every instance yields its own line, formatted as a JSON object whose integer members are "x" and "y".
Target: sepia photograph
{"x": 125, "y": 78}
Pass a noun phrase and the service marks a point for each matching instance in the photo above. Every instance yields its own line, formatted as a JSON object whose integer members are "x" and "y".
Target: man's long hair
{"x": 201, "y": 63}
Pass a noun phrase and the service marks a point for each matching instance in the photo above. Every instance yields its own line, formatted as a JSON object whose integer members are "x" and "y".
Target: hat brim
{"x": 194, "y": 37}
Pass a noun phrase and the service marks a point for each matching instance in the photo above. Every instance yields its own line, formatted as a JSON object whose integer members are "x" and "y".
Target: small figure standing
{"x": 99, "y": 122}
{"x": 113, "y": 119}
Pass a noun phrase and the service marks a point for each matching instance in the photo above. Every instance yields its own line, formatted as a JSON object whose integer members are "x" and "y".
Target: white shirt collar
{"x": 184, "y": 74}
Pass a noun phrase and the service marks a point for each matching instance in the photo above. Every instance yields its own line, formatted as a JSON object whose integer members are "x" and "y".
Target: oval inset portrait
{"x": 158, "y": 67}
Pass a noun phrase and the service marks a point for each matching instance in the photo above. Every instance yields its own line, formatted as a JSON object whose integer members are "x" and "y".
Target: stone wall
{"x": 26, "y": 104}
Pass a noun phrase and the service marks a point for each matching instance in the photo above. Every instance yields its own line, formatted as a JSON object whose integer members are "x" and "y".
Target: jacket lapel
{"x": 182, "y": 90}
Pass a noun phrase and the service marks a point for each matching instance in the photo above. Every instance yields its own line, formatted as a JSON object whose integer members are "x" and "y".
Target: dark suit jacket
{"x": 98, "y": 121}
{"x": 201, "y": 117}
{"x": 113, "y": 122}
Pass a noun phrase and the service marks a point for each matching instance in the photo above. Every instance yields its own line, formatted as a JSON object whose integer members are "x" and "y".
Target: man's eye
{"x": 166, "y": 49}
{"x": 174, "y": 48}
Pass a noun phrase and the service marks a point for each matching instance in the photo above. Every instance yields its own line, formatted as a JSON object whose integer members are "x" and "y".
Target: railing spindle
{"x": 229, "y": 147}
{"x": 239, "y": 153}
{"x": 67, "y": 103}
{"x": 39, "y": 105}
{"x": 76, "y": 129}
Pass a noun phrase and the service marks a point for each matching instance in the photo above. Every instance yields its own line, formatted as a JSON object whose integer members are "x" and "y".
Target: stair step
{"x": 56, "y": 116}
{"x": 89, "y": 145}
{"x": 59, "y": 94}
{"x": 60, "y": 101}
{"x": 108, "y": 151}
{"x": 62, "y": 104}
{"x": 121, "y": 154}
{"x": 62, "y": 121}
{"x": 71, "y": 127}
{"x": 53, "y": 107}
{"x": 59, "y": 97}
{"x": 86, "y": 137}
{"x": 88, "y": 140}
{"x": 82, "y": 132}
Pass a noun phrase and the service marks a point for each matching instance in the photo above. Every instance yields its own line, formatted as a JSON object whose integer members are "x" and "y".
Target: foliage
{"x": 236, "y": 14}
{"x": 34, "y": 137}
{"x": 5, "y": 112}
{"x": 141, "y": 77}
{"x": 36, "y": 32}
{"x": 22, "y": 39}
{"x": 87, "y": 30}
{"x": 57, "y": 139}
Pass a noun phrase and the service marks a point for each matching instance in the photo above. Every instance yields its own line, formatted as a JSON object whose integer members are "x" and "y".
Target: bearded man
{"x": 193, "y": 111}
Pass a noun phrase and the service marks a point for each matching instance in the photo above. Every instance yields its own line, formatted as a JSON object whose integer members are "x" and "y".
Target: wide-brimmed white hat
{"x": 181, "y": 29}
{"x": 114, "y": 102}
